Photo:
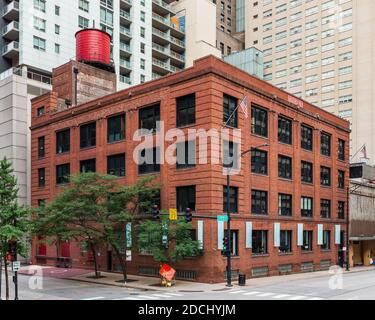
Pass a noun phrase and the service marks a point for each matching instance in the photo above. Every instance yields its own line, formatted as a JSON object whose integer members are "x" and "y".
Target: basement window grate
{"x": 325, "y": 264}
{"x": 259, "y": 272}
{"x": 285, "y": 268}
{"x": 235, "y": 274}
{"x": 307, "y": 266}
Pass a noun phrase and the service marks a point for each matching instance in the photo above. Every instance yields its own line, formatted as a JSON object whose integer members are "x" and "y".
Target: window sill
{"x": 286, "y": 217}
{"x": 306, "y": 150}
{"x": 311, "y": 184}
{"x": 58, "y": 154}
{"x": 326, "y": 187}
{"x": 115, "y": 142}
{"x": 87, "y": 148}
{"x": 281, "y": 254}
{"x": 259, "y": 215}
{"x": 185, "y": 168}
{"x": 259, "y": 136}
{"x": 307, "y": 252}
{"x": 285, "y": 144}
{"x": 325, "y": 250}
{"x": 260, "y": 174}
{"x": 285, "y": 179}
{"x": 260, "y": 255}
{"x": 186, "y": 126}
{"x": 148, "y": 174}
{"x": 325, "y": 156}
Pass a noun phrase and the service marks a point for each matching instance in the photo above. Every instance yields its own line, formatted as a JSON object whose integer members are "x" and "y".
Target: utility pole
{"x": 229, "y": 251}
{"x": 347, "y": 228}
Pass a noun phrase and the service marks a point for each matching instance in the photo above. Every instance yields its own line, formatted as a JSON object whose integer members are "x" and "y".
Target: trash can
{"x": 242, "y": 279}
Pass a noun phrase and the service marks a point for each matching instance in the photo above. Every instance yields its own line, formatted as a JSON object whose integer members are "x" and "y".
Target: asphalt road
{"x": 352, "y": 286}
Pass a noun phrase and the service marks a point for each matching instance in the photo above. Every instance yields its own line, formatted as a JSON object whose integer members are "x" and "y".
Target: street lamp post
{"x": 228, "y": 233}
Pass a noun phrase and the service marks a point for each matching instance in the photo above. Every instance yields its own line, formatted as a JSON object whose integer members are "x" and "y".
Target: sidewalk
{"x": 151, "y": 283}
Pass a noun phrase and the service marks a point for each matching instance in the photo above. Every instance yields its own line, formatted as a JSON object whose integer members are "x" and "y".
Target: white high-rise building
{"x": 149, "y": 40}
{"x": 323, "y": 52}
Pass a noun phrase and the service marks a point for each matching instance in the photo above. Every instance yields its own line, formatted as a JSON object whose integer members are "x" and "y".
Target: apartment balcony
{"x": 161, "y": 22}
{"x": 159, "y": 51}
{"x": 156, "y": 76}
{"x": 177, "y": 45}
{"x": 125, "y": 17}
{"x": 125, "y": 79}
{"x": 160, "y": 37}
{"x": 125, "y": 49}
{"x": 11, "y": 11}
{"x": 11, "y": 31}
{"x": 177, "y": 58}
{"x": 125, "y": 65}
{"x": 126, "y": 4}
{"x": 11, "y": 50}
{"x": 161, "y": 7}
{"x": 125, "y": 33}
{"x": 160, "y": 67}
{"x": 175, "y": 69}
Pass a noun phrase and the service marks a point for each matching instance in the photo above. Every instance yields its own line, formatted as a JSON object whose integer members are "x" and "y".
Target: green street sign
{"x": 223, "y": 218}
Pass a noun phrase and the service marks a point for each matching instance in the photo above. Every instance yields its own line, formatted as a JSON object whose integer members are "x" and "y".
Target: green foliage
{"x": 167, "y": 241}
{"x": 14, "y": 219}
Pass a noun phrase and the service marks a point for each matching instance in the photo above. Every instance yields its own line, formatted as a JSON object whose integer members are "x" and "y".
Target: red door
{"x": 65, "y": 249}
{"x": 42, "y": 248}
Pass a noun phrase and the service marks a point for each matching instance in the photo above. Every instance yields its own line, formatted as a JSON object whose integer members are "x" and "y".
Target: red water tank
{"x": 93, "y": 46}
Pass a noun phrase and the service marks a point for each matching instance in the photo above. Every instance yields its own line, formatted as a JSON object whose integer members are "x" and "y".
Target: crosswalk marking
{"x": 127, "y": 298}
{"x": 297, "y": 298}
{"x": 175, "y": 294}
{"x": 251, "y": 293}
{"x": 94, "y": 298}
{"x": 316, "y": 298}
{"x": 266, "y": 294}
{"x": 238, "y": 291}
{"x": 148, "y": 297}
{"x": 282, "y": 296}
{"x": 162, "y": 295}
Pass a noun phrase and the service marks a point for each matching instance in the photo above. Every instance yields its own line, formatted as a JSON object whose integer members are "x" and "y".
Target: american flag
{"x": 243, "y": 106}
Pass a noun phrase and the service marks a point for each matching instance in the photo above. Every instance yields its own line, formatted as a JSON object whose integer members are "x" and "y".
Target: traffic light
{"x": 12, "y": 250}
{"x": 226, "y": 250}
{"x": 188, "y": 215}
{"x": 156, "y": 212}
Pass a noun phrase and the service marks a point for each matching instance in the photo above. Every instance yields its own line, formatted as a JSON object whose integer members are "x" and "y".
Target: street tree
{"x": 15, "y": 224}
{"x": 93, "y": 210}
{"x": 167, "y": 241}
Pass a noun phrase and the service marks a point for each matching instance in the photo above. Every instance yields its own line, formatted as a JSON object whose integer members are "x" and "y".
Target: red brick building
{"x": 289, "y": 199}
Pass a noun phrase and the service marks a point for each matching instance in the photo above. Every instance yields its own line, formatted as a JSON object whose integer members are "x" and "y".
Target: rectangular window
{"x": 306, "y": 138}
{"x": 39, "y": 43}
{"x": 260, "y": 242}
{"x": 341, "y": 210}
{"x": 325, "y": 208}
{"x": 325, "y": 176}
{"x": 285, "y": 241}
{"x": 62, "y": 173}
{"x": 325, "y": 144}
{"x": 306, "y": 172}
{"x": 185, "y": 110}
{"x": 63, "y": 141}
{"x": 285, "y": 205}
{"x": 285, "y": 167}
{"x": 116, "y": 128}
{"x": 259, "y": 160}
{"x": 233, "y": 199}
{"x": 83, "y": 5}
{"x": 306, "y": 207}
{"x": 148, "y": 117}
{"x": 40, "y": 5}
{"x": 326, "y": 240}
{"x": 83, "y": 22}
{"x": 341, "y": 179}
{"x": 87, "y": 166}
{"x": 41, "y": 147}
{"x": 230, "y": 154}
{"x": 341, "y": 150}
{"x": 40, "y": 111}
{"x": 259, "y": 202}
{"x": 41, "y": 177}
{"x": 185, "y": 198}
{"x": 116, "y": 165}
{"x": 39, "y": 24}
{"x": 88, "y": 135}
{"x": 285, "y": 130}
{"x": 259, "y": 121}
{"x": 307, "y": 240}
{"x": 186, "y": 155}
{"x": 149, "y": 161}
{"x": 229, "y": 111}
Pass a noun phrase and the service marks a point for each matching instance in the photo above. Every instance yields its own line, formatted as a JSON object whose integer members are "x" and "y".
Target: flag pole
{"x": 234, "y": 111}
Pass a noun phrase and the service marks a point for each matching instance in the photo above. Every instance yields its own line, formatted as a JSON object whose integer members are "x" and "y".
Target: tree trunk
{"x": 93, "y": 249}
{"x": 123, "y": 263}
{"x": 6, "y": 278}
